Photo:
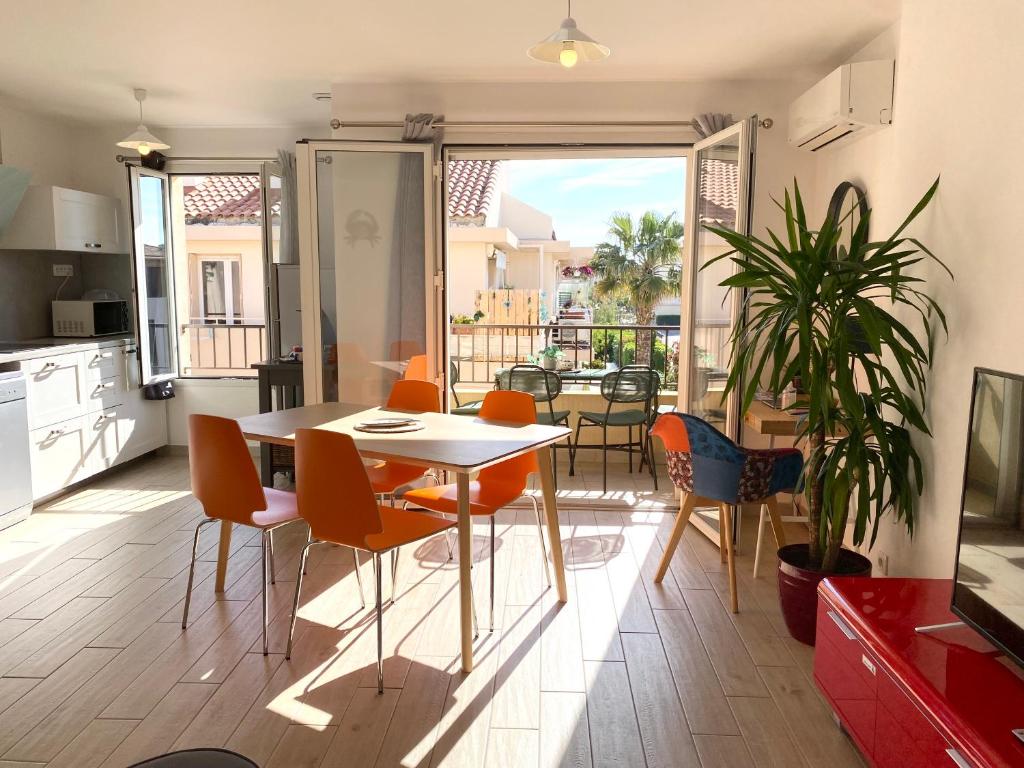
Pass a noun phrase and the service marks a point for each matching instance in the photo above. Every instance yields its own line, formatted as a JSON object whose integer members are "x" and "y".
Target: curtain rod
{"x": 126, "y": 158}
{"x": 338, "y": 124}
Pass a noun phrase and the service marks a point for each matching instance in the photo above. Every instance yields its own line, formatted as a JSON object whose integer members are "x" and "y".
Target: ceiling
{"x": 257, "y": 62}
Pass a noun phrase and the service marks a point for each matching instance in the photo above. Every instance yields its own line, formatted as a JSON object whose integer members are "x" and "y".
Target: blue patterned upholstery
{"x": 703, "y": 461}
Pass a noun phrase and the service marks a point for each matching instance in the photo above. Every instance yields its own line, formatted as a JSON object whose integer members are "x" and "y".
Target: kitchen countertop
{"x": 63, "y": 346}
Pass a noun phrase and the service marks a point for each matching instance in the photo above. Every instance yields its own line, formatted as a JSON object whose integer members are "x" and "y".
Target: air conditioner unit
{"x": 854, "y": 100}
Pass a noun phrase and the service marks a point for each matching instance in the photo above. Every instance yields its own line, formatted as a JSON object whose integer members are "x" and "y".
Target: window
{"x": 220, "y": 290}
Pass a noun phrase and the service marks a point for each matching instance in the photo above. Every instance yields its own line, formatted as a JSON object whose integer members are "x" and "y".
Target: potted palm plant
{"x": 825, "y": 305}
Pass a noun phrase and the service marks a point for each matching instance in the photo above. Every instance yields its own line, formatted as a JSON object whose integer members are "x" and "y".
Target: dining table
{"x": 454, "y": 444}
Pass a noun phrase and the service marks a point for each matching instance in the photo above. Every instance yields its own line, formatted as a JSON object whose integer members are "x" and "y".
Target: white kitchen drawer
{"x": 56, "y": 388}
{"x": 103, "y": 442}
{"x": 106, "y": 393}
{"x": 58, "y": 452}
{"x": 102, "y": 363}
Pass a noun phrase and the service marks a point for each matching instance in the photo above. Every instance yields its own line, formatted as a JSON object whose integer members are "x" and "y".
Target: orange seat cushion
{"x": 403, "y": 527}
{"x": 483, "y": 499}
{"x": 384, "y": 478}
{"x": 281, "y": 508}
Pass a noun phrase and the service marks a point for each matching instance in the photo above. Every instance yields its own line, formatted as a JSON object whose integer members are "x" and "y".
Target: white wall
{"x": 230, "y": 398}
{"x": 956, "y": 113}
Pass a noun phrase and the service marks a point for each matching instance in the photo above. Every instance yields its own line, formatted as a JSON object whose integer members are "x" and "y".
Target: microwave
{"x": 90, "y": 318}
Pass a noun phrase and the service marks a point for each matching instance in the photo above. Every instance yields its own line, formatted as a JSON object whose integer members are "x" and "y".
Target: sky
{"x": 582, "y": 194}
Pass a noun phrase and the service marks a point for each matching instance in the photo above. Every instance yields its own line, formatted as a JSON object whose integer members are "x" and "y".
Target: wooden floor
{"x": 96, "y": 670}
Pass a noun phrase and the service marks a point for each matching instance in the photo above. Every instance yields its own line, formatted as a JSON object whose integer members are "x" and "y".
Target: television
{"x": 988, "y": 587}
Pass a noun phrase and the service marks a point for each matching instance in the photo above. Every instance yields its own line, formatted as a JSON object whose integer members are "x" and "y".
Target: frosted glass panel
{"x": 371, "y": 233}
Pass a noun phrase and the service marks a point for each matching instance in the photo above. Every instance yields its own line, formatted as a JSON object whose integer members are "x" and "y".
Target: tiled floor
{"x": 96, "y": 670}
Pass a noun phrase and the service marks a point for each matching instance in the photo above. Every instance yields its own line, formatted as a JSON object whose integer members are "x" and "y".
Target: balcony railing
{"x": 221, "y": 349}
{"x": 480, "y": 351}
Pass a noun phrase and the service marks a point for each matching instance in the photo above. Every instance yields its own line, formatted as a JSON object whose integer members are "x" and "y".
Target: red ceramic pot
{"x": 798, "y": 587}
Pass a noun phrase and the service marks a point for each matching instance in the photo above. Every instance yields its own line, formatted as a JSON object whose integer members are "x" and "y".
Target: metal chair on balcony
{"x": 460, "y": 409}
{"x": 544, "y": 386}
{"x": 636, "y": 385}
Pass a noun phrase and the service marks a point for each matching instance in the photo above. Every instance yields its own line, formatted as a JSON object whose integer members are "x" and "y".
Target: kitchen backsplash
{"x": 27, "y": 286}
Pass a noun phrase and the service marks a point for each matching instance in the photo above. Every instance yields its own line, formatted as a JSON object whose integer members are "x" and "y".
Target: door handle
{"x": 847, "y": 632}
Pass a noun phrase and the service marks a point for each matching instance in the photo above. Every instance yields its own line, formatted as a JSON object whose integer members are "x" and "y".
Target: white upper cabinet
{"x": 60, "y": 219}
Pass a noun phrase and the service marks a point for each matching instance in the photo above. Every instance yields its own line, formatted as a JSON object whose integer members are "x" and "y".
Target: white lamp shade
{"x": 550, "y": 48}
{"x": 141, "y": 137}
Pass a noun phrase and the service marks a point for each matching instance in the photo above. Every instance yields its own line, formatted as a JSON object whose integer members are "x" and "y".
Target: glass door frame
{"x": 309, "y": 252}
{"x": 745, "y": 133}
{"x": 139, "y": 278}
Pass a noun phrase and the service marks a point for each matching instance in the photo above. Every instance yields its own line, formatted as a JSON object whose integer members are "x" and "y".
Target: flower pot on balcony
{"x": 549, "y": 363}
{"x": 798, "y": 587}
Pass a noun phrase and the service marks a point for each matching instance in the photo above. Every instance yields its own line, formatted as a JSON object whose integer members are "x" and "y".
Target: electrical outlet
{"x": 63, "y": 270}
{"x": 883, "y": 563}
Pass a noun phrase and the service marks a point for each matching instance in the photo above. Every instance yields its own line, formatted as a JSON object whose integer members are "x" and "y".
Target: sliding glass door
{"x": 721, "y": 188}
{"x": 367, "y": 266}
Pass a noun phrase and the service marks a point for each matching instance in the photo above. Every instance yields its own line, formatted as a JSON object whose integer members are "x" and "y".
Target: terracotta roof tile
{"x": 719, "y": 187}
{"x": 471, "y": 186}
{"x": 227, "y": 200}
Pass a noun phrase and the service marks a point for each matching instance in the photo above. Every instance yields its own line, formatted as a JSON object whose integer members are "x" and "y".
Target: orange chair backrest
{"x": 224, "y": 478}
{"x": 417, "y": 368}
{"x": 415, "y": 395}
{"x": 333, "y": 492}
{"x": 517, "y": 408}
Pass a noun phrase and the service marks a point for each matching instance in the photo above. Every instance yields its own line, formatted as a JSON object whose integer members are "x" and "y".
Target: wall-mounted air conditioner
{"x": 853, "y": 100}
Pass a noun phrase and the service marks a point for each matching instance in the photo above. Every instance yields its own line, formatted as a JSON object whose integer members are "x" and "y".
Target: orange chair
{"x": 225, "y": 482}
{"x": 496, "y": 486}
{"x": 336, "y": 499}
{"x": 416, "y": 368}
{"x": 406, "y": 395}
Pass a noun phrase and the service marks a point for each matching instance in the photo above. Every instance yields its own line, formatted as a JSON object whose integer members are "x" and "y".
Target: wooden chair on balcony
{"x": 635, "y": 385}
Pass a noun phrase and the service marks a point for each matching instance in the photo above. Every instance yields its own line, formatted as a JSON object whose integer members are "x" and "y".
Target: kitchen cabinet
{"x": 87, "y": 414}
{"x": 61, "y": 219}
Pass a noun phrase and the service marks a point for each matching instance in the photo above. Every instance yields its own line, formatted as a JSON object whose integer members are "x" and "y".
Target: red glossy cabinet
{"x": 912, "y": 700}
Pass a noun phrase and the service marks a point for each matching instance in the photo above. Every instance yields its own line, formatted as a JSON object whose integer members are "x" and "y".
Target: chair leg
{"x": 576, "y": 444}
{"x": 265, "y": 546}
{"x": 650, "y": 460}
{"x": 359, "y": 577}
{"x": 686, "y": 506}
{"x": 394, "y": 575}
{"x": 377, "y": 567}
{"x": 629, "y": 441}
{"x": 309, "y": 538}
{"x": 192, "y": 569}
{"x": 448, "y": 541}
{"x": 273, "y": 570}
{"x": 757, "y": 545}
{"x": 772, "y": 506}
{"x": 726, "y": 523}
{"x": 540, "y": 533}
{"x": 604, "y": 458}
{"x": 295, "y": 602}
{"x": 492, "y": 574}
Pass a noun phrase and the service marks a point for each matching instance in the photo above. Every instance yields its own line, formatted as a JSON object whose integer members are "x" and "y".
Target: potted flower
{"x": 820, "y": 304}
{"x": 548, "y": 358}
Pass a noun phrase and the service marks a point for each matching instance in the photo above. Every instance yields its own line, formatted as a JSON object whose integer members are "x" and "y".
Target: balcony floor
{"x": 97, "y": 672}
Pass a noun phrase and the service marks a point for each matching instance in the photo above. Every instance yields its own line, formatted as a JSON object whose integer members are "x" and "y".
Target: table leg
{"x": 465, "y": 525}
{"x": 222, "y": 554}
{"x": 547, "y": 485}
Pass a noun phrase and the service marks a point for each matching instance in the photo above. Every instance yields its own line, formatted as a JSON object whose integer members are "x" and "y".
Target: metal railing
{"x": 481, "y": 350}
{"x": 216, "y": 349}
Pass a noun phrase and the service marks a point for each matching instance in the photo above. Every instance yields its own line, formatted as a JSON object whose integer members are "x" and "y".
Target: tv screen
{"x": 988, "y": 590}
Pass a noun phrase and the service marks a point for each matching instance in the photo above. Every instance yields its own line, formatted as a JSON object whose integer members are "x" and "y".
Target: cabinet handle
{"x": 958, "y": 760}
{"x": 102, "y": 355}
{"x": 48, "y": 366}
{"x": 55, "y": 433}
{"x": 849, "y": 633}
{"x": 94, "y": 245}
{"x": 105, "y": 385}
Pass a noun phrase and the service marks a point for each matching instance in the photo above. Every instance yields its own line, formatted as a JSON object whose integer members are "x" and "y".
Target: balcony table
{"x": 454, "y": 444}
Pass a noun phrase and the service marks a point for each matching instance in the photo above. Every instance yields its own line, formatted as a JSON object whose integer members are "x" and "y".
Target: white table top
{"x": 453, "y": 443}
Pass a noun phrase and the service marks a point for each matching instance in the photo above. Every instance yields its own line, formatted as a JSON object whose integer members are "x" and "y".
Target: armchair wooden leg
{"x": 726, "y": 526}
{"x": 686, "y": 505}
{"x": 776, "y": 519}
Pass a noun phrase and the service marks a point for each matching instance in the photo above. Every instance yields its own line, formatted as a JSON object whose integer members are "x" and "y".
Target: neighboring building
{"x": 495, "y": 240}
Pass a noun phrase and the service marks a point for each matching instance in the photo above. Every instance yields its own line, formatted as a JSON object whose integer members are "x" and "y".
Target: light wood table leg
{"x": 465, "y": 526}
{"x": 547, "y": 486}
{"x": 222, "y": 554}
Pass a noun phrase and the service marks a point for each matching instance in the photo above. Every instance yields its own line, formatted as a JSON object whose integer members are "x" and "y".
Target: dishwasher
{"x": 15, "y": 462}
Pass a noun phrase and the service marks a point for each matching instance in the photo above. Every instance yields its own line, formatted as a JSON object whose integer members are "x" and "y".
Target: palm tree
{"x": 642, "y": 265}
